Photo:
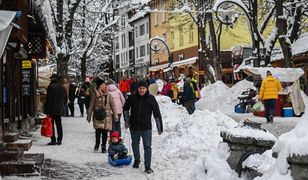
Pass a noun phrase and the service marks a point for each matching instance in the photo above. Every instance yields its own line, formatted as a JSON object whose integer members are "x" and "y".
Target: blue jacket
{"x": 117, "y": 148}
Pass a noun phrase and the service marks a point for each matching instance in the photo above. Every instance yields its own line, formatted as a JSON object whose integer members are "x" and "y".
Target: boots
{"x": 136, "y": 163}
{"x": 104, "y": 149}
{"x": 148, "y": 170}
{"x": 96, "y": 147}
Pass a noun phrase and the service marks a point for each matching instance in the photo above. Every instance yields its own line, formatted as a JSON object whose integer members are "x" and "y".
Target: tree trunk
{"x": 204, "y": 58}
{"x": 62, "y": 64}
{"x": 83, "y": 60}
{"x": 281, "y": 24}
{"x": 215, "y": 51}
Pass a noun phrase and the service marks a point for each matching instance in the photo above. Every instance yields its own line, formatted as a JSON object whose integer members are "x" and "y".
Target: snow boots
{"x": 148, "y": 170}
{"x": 104, "y": 149}
{"x": 136, "y": 163}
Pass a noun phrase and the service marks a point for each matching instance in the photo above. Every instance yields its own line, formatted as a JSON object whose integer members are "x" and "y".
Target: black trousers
{"x": 81, "y": 107}
{"x": 98, "y": 134}
{"x": 71, "y": 107}
{"x": 56, "y": 119}
{"x": 116, "y": 126}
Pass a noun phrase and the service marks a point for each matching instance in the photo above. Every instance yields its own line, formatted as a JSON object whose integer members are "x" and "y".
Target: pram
{"x": 246, "y": 101}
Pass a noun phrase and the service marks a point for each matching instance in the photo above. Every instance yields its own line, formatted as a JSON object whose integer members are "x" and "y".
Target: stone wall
{"x": 299, "y": 166}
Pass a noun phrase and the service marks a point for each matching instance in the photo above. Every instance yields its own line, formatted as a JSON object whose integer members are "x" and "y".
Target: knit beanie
{"x": 142, "y": 83}
{"x": 115, "y": 134}
{"x": 98, "y": 82}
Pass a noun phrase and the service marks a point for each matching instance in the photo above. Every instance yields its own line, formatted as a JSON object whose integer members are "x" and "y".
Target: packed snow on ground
{"x": 177, "y": 154}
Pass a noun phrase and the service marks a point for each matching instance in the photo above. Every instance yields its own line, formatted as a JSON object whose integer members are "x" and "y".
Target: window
{"x": 181, "y": 37}
{"x": 147, "y": 27}
{"x": 181, "y": 57}
{"x": 117, "y": 61}
{"x": 191, "y": 34}
{"x": 123, "y": 41}
{"x": 137, "y": 54}
{"x": 156, "y": 18}
{"x": 142, "y": 30}
{"x": 164, "y": 9}
{"x": 148, "y": 49}
{"x": 136, "y": 31}
{"x": 116, "y": 43}
{"x": 165, "y": 39}
{"x": 142, "y": 51}
{"x": 172, "y": 40}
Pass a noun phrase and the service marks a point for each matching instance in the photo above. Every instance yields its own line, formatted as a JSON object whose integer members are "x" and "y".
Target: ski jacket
{"x": 56, "y": 97}
{"x": 124, "y": 86}
{"x": 175, "y": 90}
{"x": 141, "y": 109}
{"x": 166, "y": 89}
{"x": 106, "y": 102}
{"x": 188, "y": 93}
{"x": 269, "y": 88}
{"x": 117, "y": 97}
{"x": 117, "y": 148}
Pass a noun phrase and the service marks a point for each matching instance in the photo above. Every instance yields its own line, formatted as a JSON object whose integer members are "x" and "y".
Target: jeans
{"x": 146, "y": 136}
{"x": 98, "y": 133}
{"x": 116, "y": 126}
{"x": 71, "y": 107}
{"x": 56, "y": 119}
{"x": 270, "y": 108}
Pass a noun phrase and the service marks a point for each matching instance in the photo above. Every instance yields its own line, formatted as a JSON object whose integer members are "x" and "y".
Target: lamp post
{"x": 228, "y": 15}
{"x": 156, "y": 49}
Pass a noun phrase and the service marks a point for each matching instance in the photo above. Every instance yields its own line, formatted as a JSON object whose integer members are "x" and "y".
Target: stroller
{"x": 247, "y": 100}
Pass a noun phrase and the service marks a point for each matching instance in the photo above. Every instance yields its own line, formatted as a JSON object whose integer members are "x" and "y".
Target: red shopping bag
{"x": 46, "y": 129}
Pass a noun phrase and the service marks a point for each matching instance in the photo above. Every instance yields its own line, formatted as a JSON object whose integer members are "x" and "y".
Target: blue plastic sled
{"x": 120, "y": 162}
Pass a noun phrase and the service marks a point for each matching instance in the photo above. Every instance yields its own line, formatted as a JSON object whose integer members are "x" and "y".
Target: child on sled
{"x": 116, "y": 149}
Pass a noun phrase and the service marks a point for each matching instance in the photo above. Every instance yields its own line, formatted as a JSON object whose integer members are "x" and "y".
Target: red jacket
{"x": 124, "y": 86}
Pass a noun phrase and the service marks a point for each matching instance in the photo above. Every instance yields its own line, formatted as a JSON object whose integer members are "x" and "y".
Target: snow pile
{"x": 188, "y": 139}
{"x": 260, "y": 162}
{"x": 216, "y": 164}
{"x": 219, "y": 96}
{"x": 249, "y": 132}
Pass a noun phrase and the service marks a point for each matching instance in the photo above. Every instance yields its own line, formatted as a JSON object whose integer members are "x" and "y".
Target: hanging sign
{"x": 26, "y": 64}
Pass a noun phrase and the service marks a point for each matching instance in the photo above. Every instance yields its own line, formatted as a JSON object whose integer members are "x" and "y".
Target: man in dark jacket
{"x": 72, "y": 96}
{"x": 56, "y": 96}
{"x": 189, "y": 96}
{"x": 141, "y": 105}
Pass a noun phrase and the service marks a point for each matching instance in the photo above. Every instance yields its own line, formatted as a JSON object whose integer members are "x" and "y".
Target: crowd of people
{"x": 104, "y": 102}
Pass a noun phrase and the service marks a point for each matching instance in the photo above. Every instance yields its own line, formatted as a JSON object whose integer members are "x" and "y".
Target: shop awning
{"x": 185, "y": 62}
{"x": 158, "y": 67}
{"x": 6, "y": 17}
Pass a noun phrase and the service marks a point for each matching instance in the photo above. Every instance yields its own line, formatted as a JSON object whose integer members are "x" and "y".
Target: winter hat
{"x": 98, "y": 82}
{"x": 115, "y": 134}
{"x": 142, "y": 83}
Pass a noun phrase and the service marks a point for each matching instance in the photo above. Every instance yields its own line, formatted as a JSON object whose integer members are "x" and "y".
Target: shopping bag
{"x": 46, "y": 129}
{"x": 258, "y": 107}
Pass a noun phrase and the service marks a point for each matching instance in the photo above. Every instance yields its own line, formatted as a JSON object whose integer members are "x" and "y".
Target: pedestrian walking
{"x": 54, "y": 105}
{"x": 138, "y": 110}
{"x": 81, "y": 98}
{"x": 72, "y": 96}
{"x": 133, "y": 86}
{"x": 188, "y": 96}
{"x": 175, "y": 91}
{"x": 65, "y": 84}
{"x": 100, "y": 111}
{"x": 166, "y": 91}
{"x": 119, "y": 101}
{"x": 269, "y": 94}
{"x": 124, "y": 86}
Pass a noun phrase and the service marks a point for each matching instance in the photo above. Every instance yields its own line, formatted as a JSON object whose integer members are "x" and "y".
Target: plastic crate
{"x": 287, "y": 112}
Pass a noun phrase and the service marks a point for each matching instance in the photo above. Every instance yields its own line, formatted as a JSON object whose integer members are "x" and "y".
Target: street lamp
{"x": 154, "y": 45}
{"x": 227, "y": 14}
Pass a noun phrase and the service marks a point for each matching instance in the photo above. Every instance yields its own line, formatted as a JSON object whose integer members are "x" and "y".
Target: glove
{"x": 159, "y": 125}
{"x": 115, "y": 157}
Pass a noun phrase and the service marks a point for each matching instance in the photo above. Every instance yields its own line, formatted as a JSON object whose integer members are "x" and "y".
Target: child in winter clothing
{"x": 116, "y": 149}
